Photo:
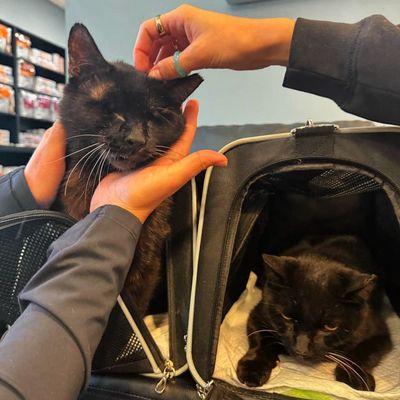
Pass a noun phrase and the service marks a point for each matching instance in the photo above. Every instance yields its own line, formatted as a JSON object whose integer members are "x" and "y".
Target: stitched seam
{"x": 11, "y": 387}
{"x": 383, "y": 90}
{"x": 120, "y": 224}
{"x": 351, "y": 66}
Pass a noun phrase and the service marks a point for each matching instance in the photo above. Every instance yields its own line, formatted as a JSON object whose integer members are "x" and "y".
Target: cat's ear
{"x": 360, "y": 287}
{"x": 82, "y": 51}
{"x": 275, "y": 267}
{"x": 180, "y": 89}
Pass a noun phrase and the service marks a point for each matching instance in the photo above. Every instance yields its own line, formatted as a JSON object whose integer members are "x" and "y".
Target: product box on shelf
{"x": 26, "y": 74}
{"x": 23, "y": 45}
{"x": 5, "y": 39}
{"x": 39, "y": 106}
{"x": 46, "y": 86}
{"x": 30, "y": 138}
{"x": 4, "y": 137}
{"x": 27, "y": 103}
{"x": 6, "y": 75}
{"x": 7, "y": 100}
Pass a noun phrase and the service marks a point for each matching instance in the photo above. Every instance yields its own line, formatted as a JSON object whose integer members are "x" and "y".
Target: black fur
{"x": 127, "y": 119}
{"x": 319, "y": 297}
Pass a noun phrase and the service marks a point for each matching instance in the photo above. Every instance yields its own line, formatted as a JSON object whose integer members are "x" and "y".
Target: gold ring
{"x": 159, "y": 26}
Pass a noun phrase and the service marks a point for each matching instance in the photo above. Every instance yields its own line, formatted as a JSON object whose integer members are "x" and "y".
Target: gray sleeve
{"x": 15, "y": 195}
{"x": 355, "y": 65}
{"x": 66, "y": 308}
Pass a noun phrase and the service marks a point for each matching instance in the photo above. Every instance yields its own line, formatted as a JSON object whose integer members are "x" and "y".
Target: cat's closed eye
{"x": 285, "y": 317}
{"x": 330, "y": 328}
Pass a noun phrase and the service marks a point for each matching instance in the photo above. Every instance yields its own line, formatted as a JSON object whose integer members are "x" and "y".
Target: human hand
{"x": 45, "y": 169}
{"x": 140, "y": 192}
{"x": 211, "y": 40}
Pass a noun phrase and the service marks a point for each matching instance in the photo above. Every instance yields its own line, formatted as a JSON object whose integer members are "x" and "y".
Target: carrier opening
{"x": 278, "y": 209}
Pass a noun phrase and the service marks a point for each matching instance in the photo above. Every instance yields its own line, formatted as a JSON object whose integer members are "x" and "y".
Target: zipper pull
{"x": 204, "y": 391}
{"x": 168, "y": 374}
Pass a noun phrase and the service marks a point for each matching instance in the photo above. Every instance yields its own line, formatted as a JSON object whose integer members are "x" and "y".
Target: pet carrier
{"x": 129, "y": 344}
{"x": 315, "y": 180}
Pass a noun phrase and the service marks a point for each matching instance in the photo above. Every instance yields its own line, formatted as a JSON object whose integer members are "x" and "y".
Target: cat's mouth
{"x": 127, "y": 162}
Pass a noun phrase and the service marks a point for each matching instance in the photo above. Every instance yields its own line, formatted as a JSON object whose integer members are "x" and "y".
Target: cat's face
{"x": 133, "y": 119}
{"x": 316, "y": 306}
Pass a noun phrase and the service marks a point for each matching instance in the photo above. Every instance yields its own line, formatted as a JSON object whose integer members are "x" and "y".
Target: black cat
{"x": 117, "y": 118}
{"x": 320, "y": 302}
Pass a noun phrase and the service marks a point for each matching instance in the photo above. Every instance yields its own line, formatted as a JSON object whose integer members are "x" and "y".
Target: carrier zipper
{"x": 168, "y": 374}
{"x": 204, "y": 391}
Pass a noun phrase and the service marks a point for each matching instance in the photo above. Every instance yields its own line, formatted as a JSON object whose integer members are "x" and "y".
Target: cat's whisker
{"x": 348, "y": 360}
{"x": 168, "y": 150}
{"x": 102, "y": 164}
{"x": 98, "y": 168}
{"x": 75, "y": 152}
{"x": 83, "y": 135}
{"x": 91, "y": 172}
{"x": 86, "y": 161}
{"x": 339, "y": 364}
{"x": 342, "y": 363}
{"x": 77, "y": 164}
{"x": 261, "y": 331}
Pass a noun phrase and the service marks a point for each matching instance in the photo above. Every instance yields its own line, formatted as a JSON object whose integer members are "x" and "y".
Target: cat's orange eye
{"x": 286, "y": 317}
{"x": 329, "y": 328}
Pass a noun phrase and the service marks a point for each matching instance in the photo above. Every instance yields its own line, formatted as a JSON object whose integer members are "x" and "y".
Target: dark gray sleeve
{"x": 47, "y": 354}
{"x": 15, "y": 195}
{"x": 356, "y": 65}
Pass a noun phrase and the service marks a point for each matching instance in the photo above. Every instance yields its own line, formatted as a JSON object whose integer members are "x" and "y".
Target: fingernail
{"x": 155, "y": 73}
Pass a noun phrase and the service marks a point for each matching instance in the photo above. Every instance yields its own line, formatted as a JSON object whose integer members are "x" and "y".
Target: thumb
{"x": 165, "y": 68}
{"x": 185, "y": 169}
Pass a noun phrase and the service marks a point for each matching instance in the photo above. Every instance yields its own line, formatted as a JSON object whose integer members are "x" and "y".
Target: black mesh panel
{"x": 24, "y": 241}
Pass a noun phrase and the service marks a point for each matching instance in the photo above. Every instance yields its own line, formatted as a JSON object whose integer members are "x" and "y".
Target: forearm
{"x": 356, "y": 65}
{"x": 72, "y": 295}
{"x": 39, "y": 359}
{"x": 15, "y": 195}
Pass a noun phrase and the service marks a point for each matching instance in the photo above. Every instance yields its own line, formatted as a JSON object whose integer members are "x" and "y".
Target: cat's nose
{"x": 135, "y": 138}
{"x": 302, "y": 345}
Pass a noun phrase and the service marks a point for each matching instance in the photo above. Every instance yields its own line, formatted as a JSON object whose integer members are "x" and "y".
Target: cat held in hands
{"x": 119, "y": 119}
{"x": 320, "y": 302}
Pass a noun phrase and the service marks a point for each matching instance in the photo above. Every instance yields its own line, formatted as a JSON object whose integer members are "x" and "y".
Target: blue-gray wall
{"x": 229, "y": 97}
{"x": 40, "y": 17}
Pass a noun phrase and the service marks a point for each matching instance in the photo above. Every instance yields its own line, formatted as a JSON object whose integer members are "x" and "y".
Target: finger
{"x": 190, "y": 113}
{"x": 189, "y": 59}
{"x": 182, "y": 171}
{"x": 182, "y": 147}
{"x": 52, "y": 146}
{"x": 165, "y": 51}
{"x": 144, "y": 44}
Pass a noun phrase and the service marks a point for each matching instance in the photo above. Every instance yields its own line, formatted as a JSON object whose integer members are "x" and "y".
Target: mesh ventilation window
{"x": 323, "y": 184}
{"x": 23, "y": 250}
{"x": 119, "y": 346}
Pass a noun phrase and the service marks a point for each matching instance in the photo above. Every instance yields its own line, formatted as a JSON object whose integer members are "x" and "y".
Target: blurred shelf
{"x": 16, "y": 149}
{"x": 7, "y": 59}
{"x": 7, "y": 115}
{"x": 36, "y": 120}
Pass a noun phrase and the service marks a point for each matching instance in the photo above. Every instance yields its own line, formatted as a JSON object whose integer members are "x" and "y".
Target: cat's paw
{"x": 363, "y": 381}
{"x": 252, "y": 373}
